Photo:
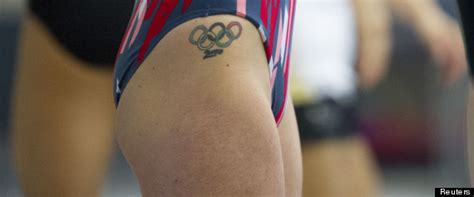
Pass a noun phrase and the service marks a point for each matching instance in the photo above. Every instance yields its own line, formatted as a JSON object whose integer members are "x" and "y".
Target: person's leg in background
{"x": 339, "y": 167}
{"x": 62, "y": 118}
{"x": 336, "y": 160}
{"x": 189, "y": 125}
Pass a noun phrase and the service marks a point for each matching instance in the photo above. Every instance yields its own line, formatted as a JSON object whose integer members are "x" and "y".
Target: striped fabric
{"x": 152, "y": 19}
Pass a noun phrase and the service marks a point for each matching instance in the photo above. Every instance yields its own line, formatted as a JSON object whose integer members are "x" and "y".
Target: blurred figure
{"x": 336, "y": 161}
{"x": 374, "y": 41}
{"x": 439, "y": 32}
{"x": 62, "y": 103}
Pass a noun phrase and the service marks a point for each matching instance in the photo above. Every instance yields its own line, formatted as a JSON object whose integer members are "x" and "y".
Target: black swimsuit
{"x": 90, "y": 29}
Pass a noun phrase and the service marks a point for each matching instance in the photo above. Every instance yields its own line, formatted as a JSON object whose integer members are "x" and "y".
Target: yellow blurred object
{"x": 300, "y": 93}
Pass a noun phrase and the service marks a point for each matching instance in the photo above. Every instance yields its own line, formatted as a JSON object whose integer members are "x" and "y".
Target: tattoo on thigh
{"x": 213, "y": 40}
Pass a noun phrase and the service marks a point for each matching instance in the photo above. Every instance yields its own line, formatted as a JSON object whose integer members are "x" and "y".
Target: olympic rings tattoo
{"x": 214, "y": 39}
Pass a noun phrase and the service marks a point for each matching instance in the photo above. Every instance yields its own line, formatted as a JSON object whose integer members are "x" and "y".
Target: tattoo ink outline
{"x": 210, "y": 42}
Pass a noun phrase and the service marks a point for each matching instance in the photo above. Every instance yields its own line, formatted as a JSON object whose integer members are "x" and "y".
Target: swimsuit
{"x": 152, "y": 19}
{"x": 90, "y": 29}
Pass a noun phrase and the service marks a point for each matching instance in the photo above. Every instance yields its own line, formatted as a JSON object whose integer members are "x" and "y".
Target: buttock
{"x": 151, "y": 20}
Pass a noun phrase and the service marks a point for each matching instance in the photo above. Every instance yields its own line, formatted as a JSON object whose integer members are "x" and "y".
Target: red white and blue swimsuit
{"x": 153, "y": 19}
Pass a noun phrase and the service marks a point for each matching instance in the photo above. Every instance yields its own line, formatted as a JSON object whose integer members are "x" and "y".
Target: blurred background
{"x": 415, "y": 125}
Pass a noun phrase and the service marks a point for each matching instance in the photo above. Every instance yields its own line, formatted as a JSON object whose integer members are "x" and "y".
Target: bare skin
{"x": 62, "y": 118}
{"x": 204, "y": 127}
{"x": 339, "y": 167}
{"x": 291, "y": 151}
{"x": 440, "y": 34}
{"x": 374, "y": 41}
